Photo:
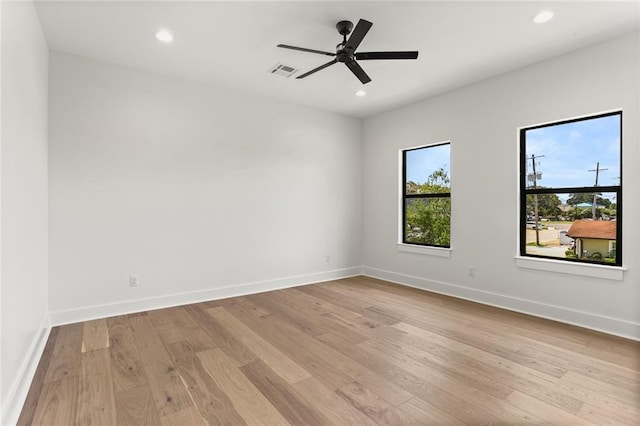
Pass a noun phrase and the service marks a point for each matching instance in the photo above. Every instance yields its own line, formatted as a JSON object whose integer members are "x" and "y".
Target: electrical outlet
{"x": 327, "y": 258}
{"x": 133, "y": 281}
{"x": 472, "y": 271}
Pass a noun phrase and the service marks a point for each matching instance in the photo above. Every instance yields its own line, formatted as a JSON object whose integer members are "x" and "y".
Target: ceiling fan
{"x": 346, "y": 51}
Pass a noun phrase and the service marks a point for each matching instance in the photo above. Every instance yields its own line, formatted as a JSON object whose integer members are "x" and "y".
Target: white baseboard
{"x": 18, "y": 391}
{"x": 615, "y": 326}
{"x": 159, "y": 302}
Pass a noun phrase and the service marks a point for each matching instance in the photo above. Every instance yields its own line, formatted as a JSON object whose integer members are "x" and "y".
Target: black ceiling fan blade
{"x": 358, "y": 71}
{"x": 363, "y": 56}
{"x": 321, "y": 67}
{"x": 304, "y": 49}
{"x": 361, "y": 30}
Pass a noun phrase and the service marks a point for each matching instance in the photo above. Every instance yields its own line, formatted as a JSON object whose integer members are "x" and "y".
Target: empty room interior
{"x": 305, "y": 213}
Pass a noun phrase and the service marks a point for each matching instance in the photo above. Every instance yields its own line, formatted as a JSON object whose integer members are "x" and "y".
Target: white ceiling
{"x": 233, "y": 44}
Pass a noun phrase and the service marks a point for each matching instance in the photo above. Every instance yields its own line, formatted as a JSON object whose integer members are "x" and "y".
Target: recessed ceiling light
{"x": 164, "y": 36}
{"x": 361, "y": 93}
{"x": 543, "y": 16}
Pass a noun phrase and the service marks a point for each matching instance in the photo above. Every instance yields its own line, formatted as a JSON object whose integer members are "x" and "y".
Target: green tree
{"x": 428, "y": 220}
{"x": 604, "y": 205}
{"x": 581, "y": 197}
{"x": 548, "y": 205}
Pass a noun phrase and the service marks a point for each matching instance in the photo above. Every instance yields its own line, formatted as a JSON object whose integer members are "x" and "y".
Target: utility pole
{"x": 595, "y": 194}
{"x": 535, "y": 196}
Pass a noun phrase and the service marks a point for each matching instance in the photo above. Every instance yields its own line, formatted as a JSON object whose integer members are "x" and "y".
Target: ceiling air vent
{"x": 283, "y": 70}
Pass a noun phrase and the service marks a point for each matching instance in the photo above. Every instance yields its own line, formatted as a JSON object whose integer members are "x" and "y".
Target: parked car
{"x": 532, "y": 225}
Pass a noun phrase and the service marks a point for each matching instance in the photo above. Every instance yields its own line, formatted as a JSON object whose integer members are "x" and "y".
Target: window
{"x": 571, "y": 190}
{"x": 426, "y": 196}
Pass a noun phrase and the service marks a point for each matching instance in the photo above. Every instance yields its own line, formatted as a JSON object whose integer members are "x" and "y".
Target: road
{"x": 548, "y": 236}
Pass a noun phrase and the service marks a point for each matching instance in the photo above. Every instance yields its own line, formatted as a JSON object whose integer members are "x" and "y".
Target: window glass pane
{"x": 428, "y": 221}
{"x": 565, "y": 227}
{"x": 574, "y": 154}
{"x": 428, "y": 170}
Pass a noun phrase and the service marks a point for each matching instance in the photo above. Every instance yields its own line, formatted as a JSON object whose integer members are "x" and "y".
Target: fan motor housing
{"x": 343, "y": 56}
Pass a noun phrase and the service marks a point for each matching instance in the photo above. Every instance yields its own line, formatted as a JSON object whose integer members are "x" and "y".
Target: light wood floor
{"x": 355, "y": 351}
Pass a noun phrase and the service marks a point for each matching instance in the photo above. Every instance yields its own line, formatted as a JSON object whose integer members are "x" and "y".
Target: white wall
{"x": 481, "y": 121}
{"x": 200, "y": 192}
{"x": 23, "y": 169}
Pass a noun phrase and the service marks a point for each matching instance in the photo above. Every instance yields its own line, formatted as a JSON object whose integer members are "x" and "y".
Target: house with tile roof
{"x": 594, "y": 236}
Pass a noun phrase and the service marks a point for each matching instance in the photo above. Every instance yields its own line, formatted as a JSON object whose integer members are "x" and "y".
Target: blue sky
{"x": 422, "y": 162}
{"x": 571, "y": 150}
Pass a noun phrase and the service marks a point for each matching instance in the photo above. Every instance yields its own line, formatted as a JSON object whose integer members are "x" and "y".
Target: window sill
{"x": 429, "y": 251}
{"x": 615, "y": 273}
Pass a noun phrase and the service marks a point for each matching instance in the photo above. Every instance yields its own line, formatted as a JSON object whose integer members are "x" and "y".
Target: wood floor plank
{"x": 95, "y": 335}
{"x": 281, "y": 334}
{"x": 440, "y": 353}
{"x": 96, "y": 400}
{"x": 323, "y": 292}
{"x": 275, "y": 359}
{"x": 604, "y": 416}
{"x": 494, "y": 342}
{"x": 484, "y": 404}
{"x": 336, "y": 369}
{"x": 547, "y": 412}
{"x": 189, "y": 416}
{"x": 442, "y": 368}
{"x": 323, "y": 304}
{"x": 454, "y": 405}
{"x": 135, "y": 407}
{"x": 375, "y": 313}
{"x": 372, "y": 405}
{"x": 501, "y": 370}
{"x": 332, "y": 406}
{"x": 226, "y": 341}
{"x": 585, "y": 365}
{"x": 248, "y": 401}
{"x": 164, "y": 326}
{"x": 282, "y": 305}
{"x": 213, "y": 404}
{"x": 283, "y": 397}
{"x": 65, "y": 360}
{"x": 190, "y": 330}
{"x": 492, "y": 319}
{"x": 586, "y": 342}
{"x": 35, "y": 391}
{"x": 597, "y": 398}
{"x": 243, "y": 303}
{"x": 527, "y": 380}
{"x": 126, "y": 366}
{"x": 621, "y": 394}
{"x": 165, "y": 384}
{"x": 349, "y": 351}
{"x": 58, "y": 402}
{"x": 419, "y": 412}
